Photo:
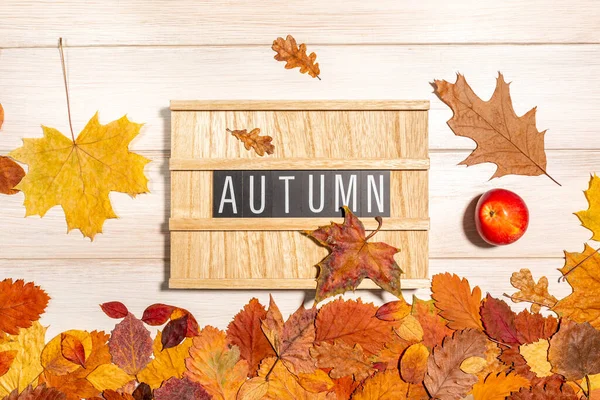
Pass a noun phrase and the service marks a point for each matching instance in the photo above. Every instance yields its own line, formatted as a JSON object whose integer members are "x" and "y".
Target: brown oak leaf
{"x": 457, "y": 304}
{"x": 582, "y": 271}
{"x": 353, "y": 322}
{"x": 499, "y": 321}
{"x": 181, "y": 389}
{"x": 511, "y": 142}
{"x": 21, "y": 304}
{"x": 434, "y": 326}
{"x": 39, "y": 393}
{"x": 445, "y": 380}
{"x": 287, "y": 50}
{"x": 130, "y": 345}
{"x": 253, "y": 140}
{"x": 245, "y": 332}
{"x": 535, "y": 293}
{"x": 11, "y": 174}
{"x": 291, "y": 340}
{"x": 352, "y": 258}
{"x": 575, "y": 350}
{"x": 343, "y": 359}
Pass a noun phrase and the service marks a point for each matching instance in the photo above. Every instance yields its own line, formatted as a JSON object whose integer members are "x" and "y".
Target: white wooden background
{"x": 134, "y": 56}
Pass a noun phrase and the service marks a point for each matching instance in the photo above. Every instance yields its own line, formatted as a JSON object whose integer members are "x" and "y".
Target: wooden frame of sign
{"x": 208, "y": 251}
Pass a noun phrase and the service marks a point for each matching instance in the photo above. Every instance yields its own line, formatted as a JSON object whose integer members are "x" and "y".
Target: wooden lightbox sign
{"x": 236, "y": 217}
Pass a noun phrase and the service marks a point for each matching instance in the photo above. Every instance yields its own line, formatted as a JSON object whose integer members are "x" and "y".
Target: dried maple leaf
{"x": 590, "y": 218}
{"x": 167, "y": 363}
{"x": 413, "y": 364}
{"x": 498, "y": 386}
{"x": 253, "y": 140}
{"x": 287, "y": 50}
{"x": 6, "y": 360}
{"x": 245, "y": 332}
{"x": 181, "y": 389}
{"x": 535, "y": 293}
{"x": 215, "y": 365}
{"x": 434, "y": 326}
{"x": 291, "y": 340}
{"x": 78, "y": 174}
{"x": 352, "y": 258}
{"x": 457, "y": 304}
{"x": 130, "y": 345}
{"x": 536, "y": 355}
{"x": 499, "y": 321}
{"x": 343, "y": 359}
{"x": 353, "y": 322}
{"x": 39, "y": 393}
{"x": 512, "y": 143}
{"x": 20, "y": 305}
{"x": 388, "y": 386}
{"x": 444, "y": 379}
{"x": 11, "y": 174}
{"x": 574, "y": 350}
{"x": 582, "y": 271}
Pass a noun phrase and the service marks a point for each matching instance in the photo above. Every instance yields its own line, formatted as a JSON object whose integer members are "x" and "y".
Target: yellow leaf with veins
{"x": 79, "y": 175}
{"x": 590, "y": 218}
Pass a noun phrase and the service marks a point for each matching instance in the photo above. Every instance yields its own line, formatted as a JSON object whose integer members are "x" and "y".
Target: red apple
{"x": 501, "y": 217}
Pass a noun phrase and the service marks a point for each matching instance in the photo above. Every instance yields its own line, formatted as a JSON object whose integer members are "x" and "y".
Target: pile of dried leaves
{"x": 457, "y": 345}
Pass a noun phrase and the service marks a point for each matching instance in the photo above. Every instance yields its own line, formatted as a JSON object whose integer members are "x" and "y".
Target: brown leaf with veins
{"x": 130, "y": 345}
{"x": 575, "y": 350}
{"x": 39, "y": 393}
{"x": 343, "y": 359}
{"x": 511, "y": 142}
{"x": 445, "y": 380}
{"x": 533, "y": 327}
{"x": 20, "y": 305}
{"x": 456, "y": 302}
{"x": 287, "y": 50}
{"x": 535, "y": 293}
{"x": 11, "y": 174}
{"x": 253, "y": 140}
{"x": 352, "y": 258}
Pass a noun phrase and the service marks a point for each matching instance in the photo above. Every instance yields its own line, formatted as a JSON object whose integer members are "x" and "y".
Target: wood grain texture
{"x": 296, "y": 105}
{"x": 278, "y": 284}
{"x": 189, "y": 22}
{"x": 141, "y": 81}
{"x": 269, "y": 163}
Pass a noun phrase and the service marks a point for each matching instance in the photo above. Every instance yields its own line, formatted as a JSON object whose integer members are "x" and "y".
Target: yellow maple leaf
{"x": 498, "y": 386}
{"x": 109, "y": 377}
{"x": 590, "y": 218}
{"x": 79, "y": 174}
{"x": 536, "y": 355}
{"x": 26, "y": 367}
{"x": 167, "y": 363}
{"x": 582, "y": 271}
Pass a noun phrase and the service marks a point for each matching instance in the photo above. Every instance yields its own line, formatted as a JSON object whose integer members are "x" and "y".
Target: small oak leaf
{"x": 511, "y": 142}
{"x": 79, "y": 174}
{"x": 536, "y": 355}
{"x": 287, "y": 50}
{"x": 20, "y": 305}
{"x": 529, "y": 291}
{"x": 498, "y": 386}
{"x": 574, "y": 350}
{"x": 352, "y": 258}
{"x": 343, "y": 359}
{"x": 590, "y": 218}
{"x": 253, "y": 140}
{"x": 11, "y": 174}
{"x": 456, "y": 302}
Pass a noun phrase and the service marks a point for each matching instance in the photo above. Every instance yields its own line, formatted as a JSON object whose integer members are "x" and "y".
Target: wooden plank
{"x": 216, "y": 164}
{"x": 276, "y": 284}
{"x": 295, "y": 105}
{"x": 144, "y": 79}
{"x": 287, "y": 224}
{"x": 189, "y": 22}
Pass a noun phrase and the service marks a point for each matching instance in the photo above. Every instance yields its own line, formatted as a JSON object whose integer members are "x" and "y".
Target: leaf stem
{"x": 564, "y": 277}
{"x": 380, "y": 222}
{"x": 64, "y": 70}
{"x": 271, "y": 370}
{"x": 589, "y": 385}
{"x": 513, "y": 298}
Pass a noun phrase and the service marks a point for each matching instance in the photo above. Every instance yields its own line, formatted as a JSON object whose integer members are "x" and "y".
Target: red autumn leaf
{"x": 352, "y": 258}
{"x": 394, "y": 310}
{"x": 11, "y": 174}
{"x": 72, "y": 349}
{"x": 142, "y": 392}
{"x": 532, "y": 327}
{"x": 353, "y": 322}
{"x": 499, "y": 321}
{"x": 39, "y": 393}
{"x": 20, "y": 305}
{"x": 181, "y": 389}
{"x": 457, "y": 304}
{"x": 130, "y": 345}
{"x": 174, "y": 332}
{"x": 115, "y": 309}
{"x": 157, "y": 314}
{"x": 6, "y": 360}
{"x": 434, "y": 326}
{"x": 291, "y": 340}
{"x": 245, "y": 332}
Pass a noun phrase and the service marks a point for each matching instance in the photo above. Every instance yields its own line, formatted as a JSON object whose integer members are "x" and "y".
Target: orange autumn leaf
{"x": 352, "y": 258}
{"x": 388, "y": 385}
{"x": 413, "y": 364}
{"x": 20, "y": 305}
{"x": 253, "y": 140}
{"x": 295, "y": 57}
{"x": 6, "y": 360}
{"x": 511, "y": 142}
{"x": 457, "y": 304}
{"x": 1, "y": 115}
{"x": 394, "y": 310}
{"x": 11, "y": 174}
{"x": 434, "y": 326}
{"x": 499, "y": 386}
{"x": 112, "y": 395}
{"x": 343, "y": 359}
{"x": 72, "y": 349}
{"x": 316, "y": 382}
{"x": 38, "y": 393}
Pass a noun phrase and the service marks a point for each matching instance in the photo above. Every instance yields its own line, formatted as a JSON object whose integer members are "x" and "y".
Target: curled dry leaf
{"x": 78, "y": 174}
{"x": 287, "y": 50}
{"x": 11, "y": 174}
{"x": 174, "y": 332}
{"x": 115, "y": 309}
{"x": 56, "y": 361}
{"x": 574, "y": 351}
{"x": 253, "y": 140}
{"x": 511, "y": 142}
{"x": 590, "y": 218}
{"x": 352, "y": 258}
{"x": 456, "y": 302}
{"x": 536, "y": 355}
{"x": 535, "y": 293}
